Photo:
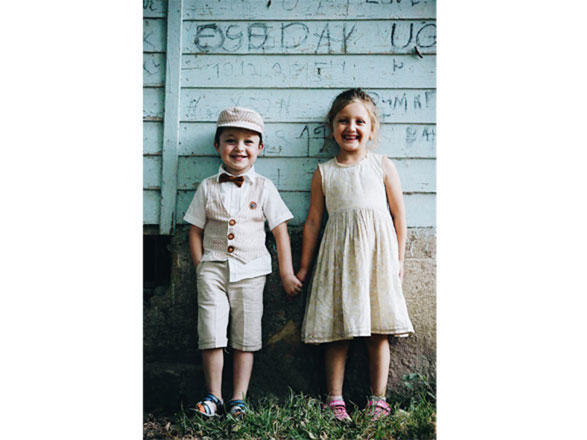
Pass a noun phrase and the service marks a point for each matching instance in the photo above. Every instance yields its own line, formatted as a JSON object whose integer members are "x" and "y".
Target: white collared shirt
{"x": 274, "y": 209}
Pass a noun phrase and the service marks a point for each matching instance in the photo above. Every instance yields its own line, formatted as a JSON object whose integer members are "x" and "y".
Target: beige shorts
{"x": 221, "y": 302}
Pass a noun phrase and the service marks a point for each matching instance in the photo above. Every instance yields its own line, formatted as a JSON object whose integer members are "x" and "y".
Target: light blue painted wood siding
{"x": 288, "y": 59}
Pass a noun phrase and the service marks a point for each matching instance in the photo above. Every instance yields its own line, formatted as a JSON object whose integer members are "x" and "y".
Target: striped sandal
{"x": 338, "y": 409}
{"x": 237, "y": 408}
{"x": 209, "y": 406}
{"x": 378, "y": 408}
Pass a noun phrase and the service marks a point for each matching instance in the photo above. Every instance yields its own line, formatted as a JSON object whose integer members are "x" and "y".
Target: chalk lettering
{"x": 393, "y": 29}
{"x": 327, "y": 30}
{"x": 411, "y": 135}
{"x": 289, "y": 5}
{"x": 429, "y": 135}
{"x": 237, "y": 36}
{"x": 277, "y": 68}
{"x": 307, "y": 131}
{"x": 216, "y": 35}
{"x": 428, "y": 38}
{"x": 403, "y": 101}
{"x": 263, "y": 33}
{"x": 297, "y": 42}
{"x": 417, "y": 103}
{"x": 396, "y": 65}
{"x": 346, "y": 36}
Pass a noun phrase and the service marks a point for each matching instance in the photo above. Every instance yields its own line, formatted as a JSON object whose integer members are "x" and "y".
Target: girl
{"x": 356, "y": 288}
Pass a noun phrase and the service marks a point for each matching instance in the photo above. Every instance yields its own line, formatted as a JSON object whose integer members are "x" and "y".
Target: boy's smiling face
{"x": 238, "y": 149}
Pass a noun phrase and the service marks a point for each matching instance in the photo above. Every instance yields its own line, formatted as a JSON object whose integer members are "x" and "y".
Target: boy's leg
{"x": 246, "y": 311}
{"x": 335, "y": 358}
{"x": 379, "y": 358}
{"x": 242, "y": 369}
{"x": 213, "y": 313}
{"x": 213, "y": 362}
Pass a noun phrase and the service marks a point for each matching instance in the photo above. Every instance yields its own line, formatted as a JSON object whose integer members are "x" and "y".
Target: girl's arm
{"x": 196, "y": 245}
{"x": 312, "y": 225}
{"x": 291, "y": 284}
{"x": 395, "y": 201}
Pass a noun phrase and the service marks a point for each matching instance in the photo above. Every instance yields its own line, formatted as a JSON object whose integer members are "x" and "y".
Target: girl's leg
{"x": 379, "y": 358}
{"x": 335, "y": 358}
{"x": 213, "y": 362}
{"x": 242, "y": 368}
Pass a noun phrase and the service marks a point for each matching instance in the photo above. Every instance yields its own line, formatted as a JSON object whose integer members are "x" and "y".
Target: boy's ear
{"x": 261, "y": 146}
{"x": 217, "y": 147}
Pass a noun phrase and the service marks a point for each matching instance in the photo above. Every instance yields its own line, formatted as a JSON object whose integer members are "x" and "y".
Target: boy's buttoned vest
{"x": 242, "y": 235}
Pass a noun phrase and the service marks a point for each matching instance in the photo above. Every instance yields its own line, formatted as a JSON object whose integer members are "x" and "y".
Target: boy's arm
{"x": 312, "y": 225}
{"x": 395, "y": 201}
{"x": 196, "y": 244}
{"x": 291, "y": 284}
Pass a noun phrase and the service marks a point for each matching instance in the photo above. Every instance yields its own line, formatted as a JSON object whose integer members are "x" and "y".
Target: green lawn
{"x": 301, "y": 417}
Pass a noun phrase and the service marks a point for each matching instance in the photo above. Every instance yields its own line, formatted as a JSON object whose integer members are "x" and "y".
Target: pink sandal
{"x": 378, "y": 408}
{"x": 338, "y": 408}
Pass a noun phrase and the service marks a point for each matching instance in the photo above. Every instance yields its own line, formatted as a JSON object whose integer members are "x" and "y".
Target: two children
{"x": 356, "y": 289}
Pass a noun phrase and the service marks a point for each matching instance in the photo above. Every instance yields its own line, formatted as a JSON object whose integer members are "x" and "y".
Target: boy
{"x": 227, "y": 243}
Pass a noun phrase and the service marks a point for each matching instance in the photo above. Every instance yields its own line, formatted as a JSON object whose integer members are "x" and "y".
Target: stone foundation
{"x": 172, "y": 366}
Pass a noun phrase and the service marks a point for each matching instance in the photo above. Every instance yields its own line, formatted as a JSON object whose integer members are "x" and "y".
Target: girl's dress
{"x": 356, "y": 290}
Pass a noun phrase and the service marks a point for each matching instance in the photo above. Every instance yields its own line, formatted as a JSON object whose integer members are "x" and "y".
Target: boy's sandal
{"x": 237, "y": 408}
{"x": 209, "y": 406}
{"x": 378, "y": 408}
{"x": 338, "y": 409}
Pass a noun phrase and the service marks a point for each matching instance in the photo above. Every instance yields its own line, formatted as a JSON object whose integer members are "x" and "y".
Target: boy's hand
{"x": 291, "y": 285}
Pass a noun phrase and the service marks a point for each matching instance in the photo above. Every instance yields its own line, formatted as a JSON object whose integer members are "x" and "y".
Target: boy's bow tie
{"x": 237, "y": 180}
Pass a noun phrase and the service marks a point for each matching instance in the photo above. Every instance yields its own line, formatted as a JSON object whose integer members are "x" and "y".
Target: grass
{"x": 301, "y": 417}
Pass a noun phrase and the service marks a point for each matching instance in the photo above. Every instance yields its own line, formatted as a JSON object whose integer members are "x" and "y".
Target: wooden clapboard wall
{"x": 287, "y": 59}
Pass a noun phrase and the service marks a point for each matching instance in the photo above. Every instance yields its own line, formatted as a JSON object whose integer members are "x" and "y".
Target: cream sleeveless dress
{"x": 356, "y": 290}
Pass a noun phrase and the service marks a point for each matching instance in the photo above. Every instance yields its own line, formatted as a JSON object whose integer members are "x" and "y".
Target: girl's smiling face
{"x": 352, "y": 128}
{"x": 238, "y": 149}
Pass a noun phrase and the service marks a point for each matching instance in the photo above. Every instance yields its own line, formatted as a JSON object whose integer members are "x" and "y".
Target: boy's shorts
{"x": 219, "y": 300}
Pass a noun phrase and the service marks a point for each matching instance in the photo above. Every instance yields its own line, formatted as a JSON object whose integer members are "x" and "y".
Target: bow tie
{"x": 237, "y": 180}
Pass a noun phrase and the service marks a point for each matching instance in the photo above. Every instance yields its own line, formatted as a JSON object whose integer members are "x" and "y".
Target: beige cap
{"x": 242, "y": 118}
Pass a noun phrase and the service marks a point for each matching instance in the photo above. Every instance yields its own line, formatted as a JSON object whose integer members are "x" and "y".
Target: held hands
{"x": 302, "y": 274}
{"x": 291, "y": 284}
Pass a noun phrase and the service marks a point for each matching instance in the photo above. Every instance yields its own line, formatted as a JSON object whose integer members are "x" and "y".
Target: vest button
{"x": 232, "y": 222}
{"x": 230, "y": 236}
{"x": 230, "y": 249}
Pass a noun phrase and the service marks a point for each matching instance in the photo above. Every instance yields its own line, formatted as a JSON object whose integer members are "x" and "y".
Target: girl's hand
{"x": 291, "y": 285}
{"x": 302, "y": 274}
{"x": 401, "y": 270}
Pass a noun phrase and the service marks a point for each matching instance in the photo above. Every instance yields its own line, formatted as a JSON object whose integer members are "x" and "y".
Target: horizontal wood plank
{"x": 154, "y": 8}
{"x": 152, "y": 172}
{"x": 154, "y": 35}
{"x": 420, "y": 208}
{"x": 310, "y": 37}
{"x": 307, "y": 9}
{"x": 152, "y": 137}
{"x": 295, "y": 174}
{"x": 306, "y": 71}
{"x": 151, "y": 207}
{"x": 154, "y": 69}
{"x": 308, "y": 105}
{"x": 312, "y": 140}
{"x": 153, "y": 103}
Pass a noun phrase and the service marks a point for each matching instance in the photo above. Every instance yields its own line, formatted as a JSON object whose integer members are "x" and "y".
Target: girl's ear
{"x": 216, "y": 146}
{"x": 261, "y": 146}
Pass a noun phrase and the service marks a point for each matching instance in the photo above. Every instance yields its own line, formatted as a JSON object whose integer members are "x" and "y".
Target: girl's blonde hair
{"x": 355, "y": 95}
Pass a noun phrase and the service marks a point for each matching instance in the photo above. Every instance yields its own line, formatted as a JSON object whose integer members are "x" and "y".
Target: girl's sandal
{"x": 378, "y": 408}
{"x": 338, "y": 409}
{"x": 237, "y": 408}
{"x": 209, "y": 406}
